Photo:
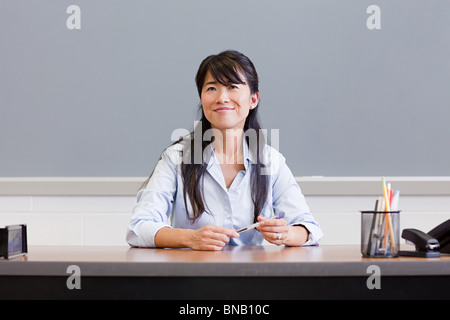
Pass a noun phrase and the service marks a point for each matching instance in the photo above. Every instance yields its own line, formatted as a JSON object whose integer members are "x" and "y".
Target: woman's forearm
{"x": 173, "y": 238}
{"x": 208, "y": 237}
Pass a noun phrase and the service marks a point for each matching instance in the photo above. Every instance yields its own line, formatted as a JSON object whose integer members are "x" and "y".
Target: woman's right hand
{"x": 211, "y": 237}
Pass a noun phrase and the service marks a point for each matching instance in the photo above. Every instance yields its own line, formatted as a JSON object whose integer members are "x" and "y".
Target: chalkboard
{"x": 96, "y": 88}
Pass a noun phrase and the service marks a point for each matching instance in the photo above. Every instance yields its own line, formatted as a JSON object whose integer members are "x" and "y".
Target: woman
{"x": 223, "y": 176}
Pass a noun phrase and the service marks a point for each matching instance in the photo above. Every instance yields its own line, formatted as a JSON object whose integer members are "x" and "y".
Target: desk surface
{"x": 320, "y": 261}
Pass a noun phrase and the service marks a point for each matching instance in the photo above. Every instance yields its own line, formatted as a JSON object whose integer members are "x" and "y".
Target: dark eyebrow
{"x": 210, "y": 82}
{"x": 215, "y": 83}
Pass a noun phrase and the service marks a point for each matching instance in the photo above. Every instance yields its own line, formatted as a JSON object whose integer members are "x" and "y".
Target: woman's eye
{"x": 232, "y": 87}
{"x": 210, "y": 89}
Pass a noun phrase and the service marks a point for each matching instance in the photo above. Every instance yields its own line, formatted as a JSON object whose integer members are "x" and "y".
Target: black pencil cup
{"x": 380, "y": 234}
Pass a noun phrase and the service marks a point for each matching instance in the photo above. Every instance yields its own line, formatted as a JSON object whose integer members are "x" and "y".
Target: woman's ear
{"x": 254, "y": 100}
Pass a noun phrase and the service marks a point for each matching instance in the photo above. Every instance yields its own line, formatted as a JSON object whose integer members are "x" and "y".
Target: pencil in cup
{"x": 388, "y": 219}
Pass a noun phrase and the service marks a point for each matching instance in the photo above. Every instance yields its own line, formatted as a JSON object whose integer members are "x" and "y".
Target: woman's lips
{"x": 223, "y": 109}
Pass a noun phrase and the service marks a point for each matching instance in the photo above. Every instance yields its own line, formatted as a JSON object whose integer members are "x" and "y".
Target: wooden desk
{"x": 323, "y": 272}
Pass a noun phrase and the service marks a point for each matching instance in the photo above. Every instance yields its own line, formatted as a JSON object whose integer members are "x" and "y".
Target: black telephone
{"x": 431, "y": 244}
{"x": 442, "y": 234}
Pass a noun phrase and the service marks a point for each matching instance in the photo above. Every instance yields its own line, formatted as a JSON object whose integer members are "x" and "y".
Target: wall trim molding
{"x": 128, "y": 186}
{"x": 361, "y": 186}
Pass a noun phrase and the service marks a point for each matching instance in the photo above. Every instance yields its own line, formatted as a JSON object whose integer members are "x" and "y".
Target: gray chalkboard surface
{"x": 96, "y": 88}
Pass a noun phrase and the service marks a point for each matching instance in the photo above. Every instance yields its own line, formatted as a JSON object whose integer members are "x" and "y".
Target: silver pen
{"x": 255, "y": 225}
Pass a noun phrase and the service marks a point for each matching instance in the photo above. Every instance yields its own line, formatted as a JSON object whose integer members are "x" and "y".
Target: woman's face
{"x": 227, "y": 107}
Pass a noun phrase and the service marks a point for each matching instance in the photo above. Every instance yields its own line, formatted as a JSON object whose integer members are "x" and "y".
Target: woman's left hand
{"x": 274, "y": 230}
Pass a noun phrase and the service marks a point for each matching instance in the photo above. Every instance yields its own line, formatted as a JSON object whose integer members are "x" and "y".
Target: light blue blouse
{"x": 161, "y": 203}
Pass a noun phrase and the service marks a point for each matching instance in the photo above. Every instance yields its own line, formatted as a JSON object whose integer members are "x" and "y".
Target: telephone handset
{"x": 442, "y": 234}
{"x": 431, "y": 244}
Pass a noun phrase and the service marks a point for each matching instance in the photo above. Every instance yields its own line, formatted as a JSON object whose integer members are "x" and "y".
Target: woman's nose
{"x": 223, "y": 96}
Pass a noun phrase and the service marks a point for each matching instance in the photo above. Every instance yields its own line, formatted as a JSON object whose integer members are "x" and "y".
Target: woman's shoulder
{"x": 271, "y": 153}
{"x": 175, "y": 151}
{"x": 272, "y": 159}
{"x": 177, "y": 147}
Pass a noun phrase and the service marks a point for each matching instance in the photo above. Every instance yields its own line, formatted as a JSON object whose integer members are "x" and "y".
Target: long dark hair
{"x": 226, "y": 67}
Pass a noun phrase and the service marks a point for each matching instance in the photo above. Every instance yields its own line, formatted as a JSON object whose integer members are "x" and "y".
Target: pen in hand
{"x": 253, "y": 226}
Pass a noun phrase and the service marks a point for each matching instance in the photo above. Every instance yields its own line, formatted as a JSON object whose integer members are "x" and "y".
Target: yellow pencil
{"x": 388, "y": 219}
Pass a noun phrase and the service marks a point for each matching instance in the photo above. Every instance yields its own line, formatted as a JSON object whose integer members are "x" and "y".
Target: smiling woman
{"x": 200, "y": 204}
{"x": 226, "y": 97}
{"x": 231, "y": 100}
